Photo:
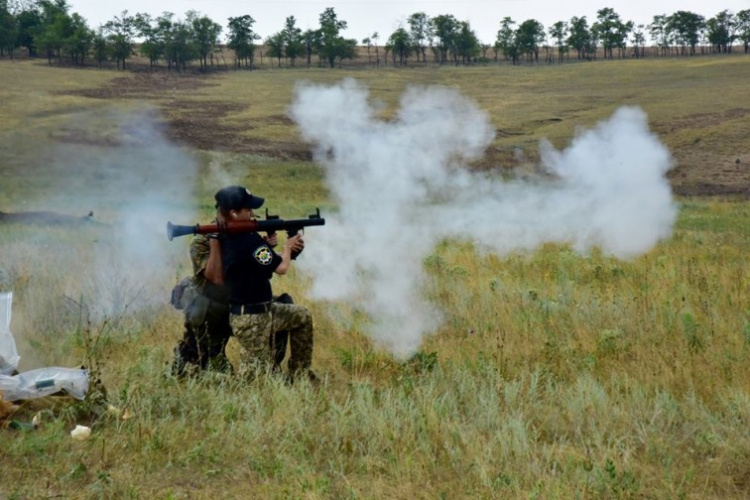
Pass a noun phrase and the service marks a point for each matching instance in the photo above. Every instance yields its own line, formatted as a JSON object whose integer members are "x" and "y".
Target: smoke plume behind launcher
{"x": 401, "y": 188}
{"x": 120, "y": 167}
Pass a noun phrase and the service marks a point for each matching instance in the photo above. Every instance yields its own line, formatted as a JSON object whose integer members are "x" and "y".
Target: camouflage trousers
{"x": 206, "y": 334}
{"x": 253, "y": 331}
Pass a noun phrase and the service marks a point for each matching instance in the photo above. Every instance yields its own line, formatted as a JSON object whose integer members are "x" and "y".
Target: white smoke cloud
{"x": 401, "y": 188}
{"x": 122, "y": 167}
{"x": 149, "y": 180}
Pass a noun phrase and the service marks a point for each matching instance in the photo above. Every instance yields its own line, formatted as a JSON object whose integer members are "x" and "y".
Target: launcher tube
{"x": 292, "y": 226}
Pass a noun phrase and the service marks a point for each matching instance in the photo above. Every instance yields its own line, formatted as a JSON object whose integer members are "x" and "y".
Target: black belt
{"x": 250, "y": 308}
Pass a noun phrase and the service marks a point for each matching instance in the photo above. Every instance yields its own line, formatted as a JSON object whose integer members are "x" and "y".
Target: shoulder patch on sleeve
{"x": 263, "y": 255}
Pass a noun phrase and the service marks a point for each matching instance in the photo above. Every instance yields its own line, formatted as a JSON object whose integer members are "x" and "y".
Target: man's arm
{"x": 213, "y": 271}
{"x": 294, "y": 243}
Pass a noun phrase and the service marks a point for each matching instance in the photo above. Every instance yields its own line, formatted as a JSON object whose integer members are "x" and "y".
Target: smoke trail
{"x": 121, "y": 166}
{"x": 401, "y": 189}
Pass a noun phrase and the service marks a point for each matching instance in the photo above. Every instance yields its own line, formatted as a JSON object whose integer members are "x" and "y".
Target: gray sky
{"x": 384, "y": 16}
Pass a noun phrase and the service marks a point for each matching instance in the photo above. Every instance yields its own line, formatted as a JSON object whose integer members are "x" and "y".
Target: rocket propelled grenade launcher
{"x": 270, "y": 225}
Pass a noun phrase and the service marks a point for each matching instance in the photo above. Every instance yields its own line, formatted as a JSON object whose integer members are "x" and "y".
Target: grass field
{"x": 552, "y": 374}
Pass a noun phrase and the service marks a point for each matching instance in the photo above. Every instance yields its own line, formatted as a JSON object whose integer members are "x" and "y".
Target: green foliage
{"x": 608, "y": 342}
{"x": 205, "y": 35}
{"x": 420, "y": 31}
{"x": 399, "y": 44}
{"x": 467, "y": 43}
{"x": 422, "y": 361}
{"x": 692, "y": 332}
{"x": 242, "y": 39}
{"x": 611, "y": 31}
{"x": 529, "y": 37}
{"x": 580, "y": 36}
{"x": 120, "y": 37}
{"x": 330, "y": 45}
{"x": 446, "y": 29}
{"x": 294, "y": 45}
{"x": 180, "y": 46}
{"x": 559, "y": 31}
{"x": 9, "y": 30}
{"x": 686, "y": 28}
{"x": 721, "y": 31}
{"x": 275, "y": 46}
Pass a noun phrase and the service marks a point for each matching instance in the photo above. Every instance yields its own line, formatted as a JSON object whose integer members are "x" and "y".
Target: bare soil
{"x": 196, "y": 123}
{"x": 700, "y": 169}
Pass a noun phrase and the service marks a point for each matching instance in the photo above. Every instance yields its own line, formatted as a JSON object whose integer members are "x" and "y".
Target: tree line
{"x": 48, "y": 28}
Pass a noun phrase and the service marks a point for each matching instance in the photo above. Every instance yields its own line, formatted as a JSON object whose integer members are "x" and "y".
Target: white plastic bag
{"x": 45, "y": 381}
{"x": 8, "y": 354}
{"x": 8, "y": 384}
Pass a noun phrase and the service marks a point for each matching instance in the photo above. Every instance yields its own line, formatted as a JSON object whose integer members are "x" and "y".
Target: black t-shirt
{"x": 248, "y": 264}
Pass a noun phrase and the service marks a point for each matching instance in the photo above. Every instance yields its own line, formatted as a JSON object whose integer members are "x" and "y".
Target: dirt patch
{"x": 279, "y": 120}
{"x": 204, "y": 124}
{"x": 148, "y": 86}
{"x": 702, "y": 120}
{"x": 200, "y": 124}
{"x": 704, "y": 173}
{"x": 709, "y": 166}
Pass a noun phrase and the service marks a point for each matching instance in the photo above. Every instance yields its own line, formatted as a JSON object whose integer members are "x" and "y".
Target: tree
{"x": 54, "y": 29}
{"x": 292, "y": 38}
{"x": 332, "y": 45}
{"x": 180, "y": 47}
{"x": 8, "y": 29}
{"x": 275, "y": 46}
{"x": 580, "y": 36}
{"x": 721, "y": 31}
{"x": 310, "y": 42}
{"x": 205, "y": 34}
{"x": 120, "y": 31}
{"x": 375, "y": 39}
{"x": 446, "y": 30}
{"x": 743, "y": 28}
{"x": 559, "y": 32}
{"x": 367, "y": 42}
{"x": 495, "y": 50}
{"x": 623, "y": 32}
{"x": 660, "y": 34}
{"x": 149, "y": 31}
{"x": 506, "y": 39}
{"x": 611, "y": 31}
{"x": 29, "y": 22}
{"x": 78, "y": 44}
{"x": 467, "y": 43}
{"x": 241, "y": 38}
{"x": 348, "y": 50}
{"x": 685, "y": 27}
{"x": 101, "y": 51}
{"x": 399, "y": 44}
{"x": 639, "y": 41}
{"x": 485, "y": 48}
{"x": 420, "y": 31}
{"x": 529, "y": 35}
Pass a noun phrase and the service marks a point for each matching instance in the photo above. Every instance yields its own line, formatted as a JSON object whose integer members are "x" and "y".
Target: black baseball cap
{"x": 237, "y": 198}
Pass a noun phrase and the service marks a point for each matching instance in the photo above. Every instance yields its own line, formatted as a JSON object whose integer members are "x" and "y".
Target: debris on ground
{"x": 81, "y": 433}
{"x": 42, "y": 391}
